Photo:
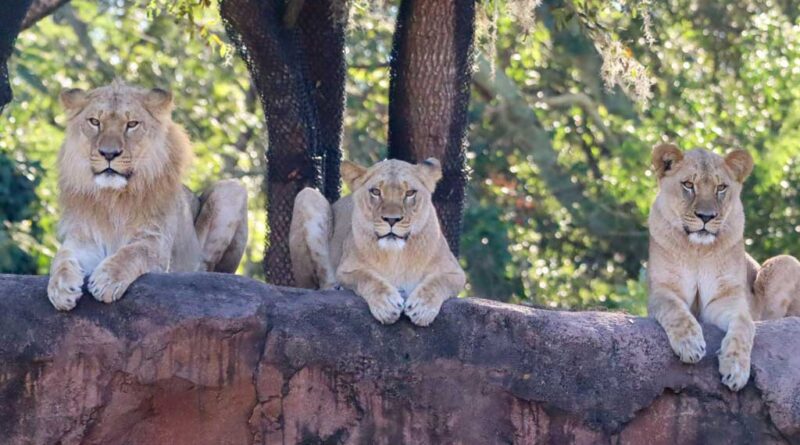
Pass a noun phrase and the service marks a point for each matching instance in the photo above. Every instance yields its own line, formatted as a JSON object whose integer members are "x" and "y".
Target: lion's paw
{"x": 64, "y": 289}
{"x": 734, "y": 366}
{"x": 106, "y": 284}
{"x": 422, "y": 311}
{"x": 386, "y": 307}
{"x": 689, "y": 345}
{"x": 334, "y": 285}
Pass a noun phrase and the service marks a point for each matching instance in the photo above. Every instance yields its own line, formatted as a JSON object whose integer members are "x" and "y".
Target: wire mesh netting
{"x": 429, "y": 97}
{"x": 294, "y": 50}
{"x": 296, "y": 61}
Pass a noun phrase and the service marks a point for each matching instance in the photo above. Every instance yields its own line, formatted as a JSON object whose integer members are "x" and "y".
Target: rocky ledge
{"x": 219, "y": 359}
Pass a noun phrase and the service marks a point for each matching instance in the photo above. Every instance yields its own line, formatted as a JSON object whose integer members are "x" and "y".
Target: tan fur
{"x": 699, "y": 268}
{"x": 352, "y": 241}
{"x": 117, "y": 225}
{"x": 776, "y": 289}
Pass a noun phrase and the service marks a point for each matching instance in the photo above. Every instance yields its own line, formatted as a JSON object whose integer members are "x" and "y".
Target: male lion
{"x": 383, "y": 241}
{"x": 124, "y": 210}
{"x": 698, "y": 265}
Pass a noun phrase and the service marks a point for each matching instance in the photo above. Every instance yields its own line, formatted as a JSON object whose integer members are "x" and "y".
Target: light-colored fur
{"x": 776, "y": 289}
{"x": 699, "y": 268}
{"x": 130, "y": 215}
{"x": 383, "y": 241}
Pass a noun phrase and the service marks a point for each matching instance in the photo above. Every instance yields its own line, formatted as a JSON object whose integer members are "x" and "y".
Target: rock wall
{"x": 219, "y": 359}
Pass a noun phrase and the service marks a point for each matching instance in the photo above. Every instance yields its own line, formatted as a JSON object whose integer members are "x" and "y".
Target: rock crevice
{"x": 209, "y": 358}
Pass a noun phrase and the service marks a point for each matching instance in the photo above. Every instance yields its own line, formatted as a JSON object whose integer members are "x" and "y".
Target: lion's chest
{"x": 702, "y": 282}
{"x": 100, "y": 247}
{"x": 402, "y": 275}
{"x": 103, "y": 240}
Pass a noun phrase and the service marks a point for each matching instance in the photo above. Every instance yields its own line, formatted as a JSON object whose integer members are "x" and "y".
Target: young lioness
{"x": 124, "y": 210}
{"x": 381, "y": 241}
{"x": 698, "y": 266}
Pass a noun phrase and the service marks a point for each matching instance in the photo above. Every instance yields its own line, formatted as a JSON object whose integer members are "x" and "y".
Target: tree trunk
{"x": 429, "y": 96}
{"x": 295, "y": 54}
{"x": 10, "y": 23}
{"x": 322, "y": 34}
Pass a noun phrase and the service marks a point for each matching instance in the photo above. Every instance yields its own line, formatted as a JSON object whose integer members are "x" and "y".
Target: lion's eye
{"x": 411, "y": 193}
{"x": 94, "y": 122}
{"x": 721, "y": 188}
{"x": 132, "y": 124}
{"x": 374, "y": 192}
{"x": 688, "y": 185}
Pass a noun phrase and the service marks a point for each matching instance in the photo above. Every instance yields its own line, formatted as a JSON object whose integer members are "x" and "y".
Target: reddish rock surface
{"x": 218, "y": 359}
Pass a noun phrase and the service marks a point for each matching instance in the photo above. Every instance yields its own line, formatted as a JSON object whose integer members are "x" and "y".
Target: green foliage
{"x": 569, "y": 235}
{"x": 87, "y": 44}
{"x": 18, "y": 181}
{"x": 724, "y": 76}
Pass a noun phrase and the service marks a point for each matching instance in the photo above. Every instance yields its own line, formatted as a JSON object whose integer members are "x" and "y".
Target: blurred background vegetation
{"x": 568, "y": 97}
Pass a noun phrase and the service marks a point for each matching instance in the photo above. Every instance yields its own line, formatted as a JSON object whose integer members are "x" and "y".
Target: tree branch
{"x": 39, "y": 10}
{"x": 81, "y": 30}
{"x": 589, "y": 107}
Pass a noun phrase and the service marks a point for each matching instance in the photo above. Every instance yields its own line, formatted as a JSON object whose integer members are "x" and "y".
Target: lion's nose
{"x": 110, "y": 153}
{"x": 706, "y": 217}
{"x": 392, "y": 220}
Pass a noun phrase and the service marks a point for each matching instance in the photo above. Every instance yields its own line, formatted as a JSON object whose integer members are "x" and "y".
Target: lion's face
{"x": 392, "y": 199}
{"x": 118, "y": 135}
{"x": 699, "y": 190}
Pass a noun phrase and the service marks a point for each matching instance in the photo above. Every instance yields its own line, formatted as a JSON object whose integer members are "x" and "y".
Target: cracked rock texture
{"x": 219, "y": 359}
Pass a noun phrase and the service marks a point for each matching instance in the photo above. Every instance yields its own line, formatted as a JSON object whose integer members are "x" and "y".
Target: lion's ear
{"x": 158, "y": 101}
{"x": 665, "y": 158}
{"x": 74, "y": 99}
{"x": 351, "y": 173}
{"x": 741, "y": 164}
{"x": 431, "y": 170}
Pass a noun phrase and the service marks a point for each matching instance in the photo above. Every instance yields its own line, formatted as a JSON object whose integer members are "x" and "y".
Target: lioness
{"x": 124, "y": 210}
{"x": 382, "y": 241}
{"x": 698, "y": 265}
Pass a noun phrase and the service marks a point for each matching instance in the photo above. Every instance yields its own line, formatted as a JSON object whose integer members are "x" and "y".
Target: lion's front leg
{"x": 221, "y": 226}
{"x": 309, "y": 241}
{"x": 425, "y": 302}
{"x": 384, "y": 300}
{"x": 113, "y": 276}
{"x": 683, "y": 330}
{"x": 730, "y": 313}
{"x": 66, "y": 278}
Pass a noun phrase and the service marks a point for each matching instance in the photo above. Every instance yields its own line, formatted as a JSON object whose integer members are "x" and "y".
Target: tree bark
{"x": 323, "y": 35}
{"x": 10, "y": 23}
{"x": 39, "y": 10}
{"x": 17, "y": 16}
{"x": 429, "y": 96}
{"x": 295, "y": 54}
